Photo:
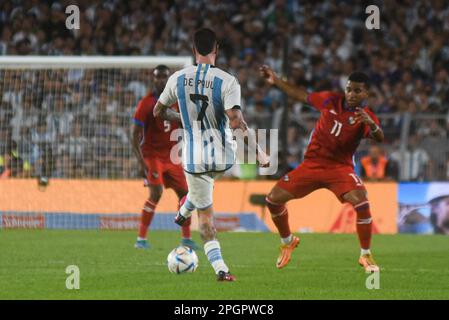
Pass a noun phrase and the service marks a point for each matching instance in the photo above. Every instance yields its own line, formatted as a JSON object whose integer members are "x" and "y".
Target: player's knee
{"x": 271, "y": 197}
{"x": 273, "y": 206}
{"x": 355, "y": 197}
{"x": 361, "y": 206}
{"x": 277, "y": 197}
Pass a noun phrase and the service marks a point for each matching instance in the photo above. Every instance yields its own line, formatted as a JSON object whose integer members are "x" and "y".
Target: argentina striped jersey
{"x": 203, "y": 93}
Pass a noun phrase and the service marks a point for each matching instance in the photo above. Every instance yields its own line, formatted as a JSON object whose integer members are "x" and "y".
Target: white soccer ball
{"x": 182, "y": 259}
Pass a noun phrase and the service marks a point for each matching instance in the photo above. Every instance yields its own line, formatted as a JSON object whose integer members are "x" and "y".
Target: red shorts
{"x": 160, "y": 172}
{"x": 310, "y": 176}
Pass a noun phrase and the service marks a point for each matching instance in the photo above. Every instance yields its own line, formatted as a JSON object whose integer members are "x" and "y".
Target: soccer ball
{"x": 182, "y": 259}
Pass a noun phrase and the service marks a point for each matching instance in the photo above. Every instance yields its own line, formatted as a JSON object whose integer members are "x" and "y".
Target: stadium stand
{"x": 49, "y": 130}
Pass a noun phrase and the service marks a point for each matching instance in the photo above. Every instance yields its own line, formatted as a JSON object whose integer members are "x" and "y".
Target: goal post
{"x": 91, "y": 62}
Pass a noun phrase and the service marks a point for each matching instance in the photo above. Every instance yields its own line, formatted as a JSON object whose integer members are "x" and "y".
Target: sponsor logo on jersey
{"x": 286, "y": 178}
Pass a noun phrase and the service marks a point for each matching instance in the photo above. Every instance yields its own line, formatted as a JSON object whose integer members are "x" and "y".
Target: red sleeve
{"x": 142, "y": 111}
{"x": 321, "y": 99}
{"x": 367, "y": 130}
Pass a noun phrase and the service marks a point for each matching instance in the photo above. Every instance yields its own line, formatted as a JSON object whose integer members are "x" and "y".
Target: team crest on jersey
{"x": 155, "y": 174}
{"x": 351, "y": 120}
{"x": 286, "y": 178}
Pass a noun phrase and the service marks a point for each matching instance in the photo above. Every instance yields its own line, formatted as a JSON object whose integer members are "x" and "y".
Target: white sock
{"x": 287, "y": 240}
{"x": 140, "y": 239}
{"x": 213, "y": 253}
{"x": 187, "y": 209}
{"x": 364, "y": 251}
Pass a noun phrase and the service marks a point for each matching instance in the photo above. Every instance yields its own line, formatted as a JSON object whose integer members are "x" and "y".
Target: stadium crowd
{"x": 76, "y": 123}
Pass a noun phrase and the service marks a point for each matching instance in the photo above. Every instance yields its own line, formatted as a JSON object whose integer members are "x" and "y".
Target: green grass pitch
{"x": 33, "y": 262}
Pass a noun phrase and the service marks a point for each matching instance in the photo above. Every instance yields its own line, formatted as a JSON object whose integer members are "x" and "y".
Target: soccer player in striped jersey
{"x": 209, "y": 104}
{"x": 328, "y": 162}
{"x": 152, "y": 145}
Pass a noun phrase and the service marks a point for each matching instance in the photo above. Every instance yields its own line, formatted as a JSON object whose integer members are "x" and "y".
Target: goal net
{"x": 66, "y": 120}
{"x": 69, "y": 117}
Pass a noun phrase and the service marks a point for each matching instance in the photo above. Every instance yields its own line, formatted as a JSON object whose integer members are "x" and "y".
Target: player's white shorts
{"x": 201, "y": 188}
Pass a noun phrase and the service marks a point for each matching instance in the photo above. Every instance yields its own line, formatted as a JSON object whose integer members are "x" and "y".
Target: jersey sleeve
{"x": 320, "y": 99}
{"x": 168, "y": 96}
{"x": 231, "y": 95}
{"x": 141, "y": 113}
{"x": 367, "y": 130}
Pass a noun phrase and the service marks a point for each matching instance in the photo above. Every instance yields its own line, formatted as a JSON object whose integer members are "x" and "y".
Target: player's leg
{"x": 348, "y": 187}
{"x": 361, "y": 206}
{"x": 276, "y": 202}
{"x": 296, "y": 184}
{"x": 154, "y": 180}
{"x": 174, "y": 178}
{"x": 186, "y": 208}
{"x": 212, "y": 247}
{"x": 200, "y": 194}
{"x": 186, "y": 234}
{"x": 147, "y": 215}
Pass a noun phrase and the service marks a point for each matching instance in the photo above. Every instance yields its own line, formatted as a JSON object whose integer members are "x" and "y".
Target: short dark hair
{"x": 360, "y": 77}
{"x": 205, "y": 41}
{"x": 162, "y": 68}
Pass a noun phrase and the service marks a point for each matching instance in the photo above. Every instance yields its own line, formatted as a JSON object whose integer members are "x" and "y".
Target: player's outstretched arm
{"x": 164, "y": 112}
{"x": 237, "y": 122}
{"x": 292, "y": 91}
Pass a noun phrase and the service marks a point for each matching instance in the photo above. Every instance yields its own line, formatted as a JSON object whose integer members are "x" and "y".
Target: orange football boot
{"x": 286, "y": 252}
{"x": 367, "y": 262}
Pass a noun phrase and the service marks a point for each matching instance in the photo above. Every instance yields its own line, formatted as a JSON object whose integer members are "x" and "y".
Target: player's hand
{"x": 265, "y": 165}
{"x": 268, "y": 74}
{"x": 362, "y": 116}
{"x": 263, "y": 160}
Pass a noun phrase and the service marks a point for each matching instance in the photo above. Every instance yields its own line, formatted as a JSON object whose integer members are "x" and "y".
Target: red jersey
{"x": 336, "y": 135}
{"x": 156, "y": 140}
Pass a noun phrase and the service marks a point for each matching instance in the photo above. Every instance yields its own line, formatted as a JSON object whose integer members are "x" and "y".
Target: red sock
{"x": 185, "y": 229}
{"x": 279, "y": 215}
{"x": 364, "y": 223}
{"x": 146, "y": 218}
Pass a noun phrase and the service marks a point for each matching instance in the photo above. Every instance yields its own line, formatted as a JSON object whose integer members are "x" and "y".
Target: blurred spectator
{"x": 258, "y": 116}
{"x": 377, "y": 167}
{"x": 12, "y": 164}
{"x": 60, "y": 119}
{"x": 42, "y": 138}
{"x": 415, "y": 164}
